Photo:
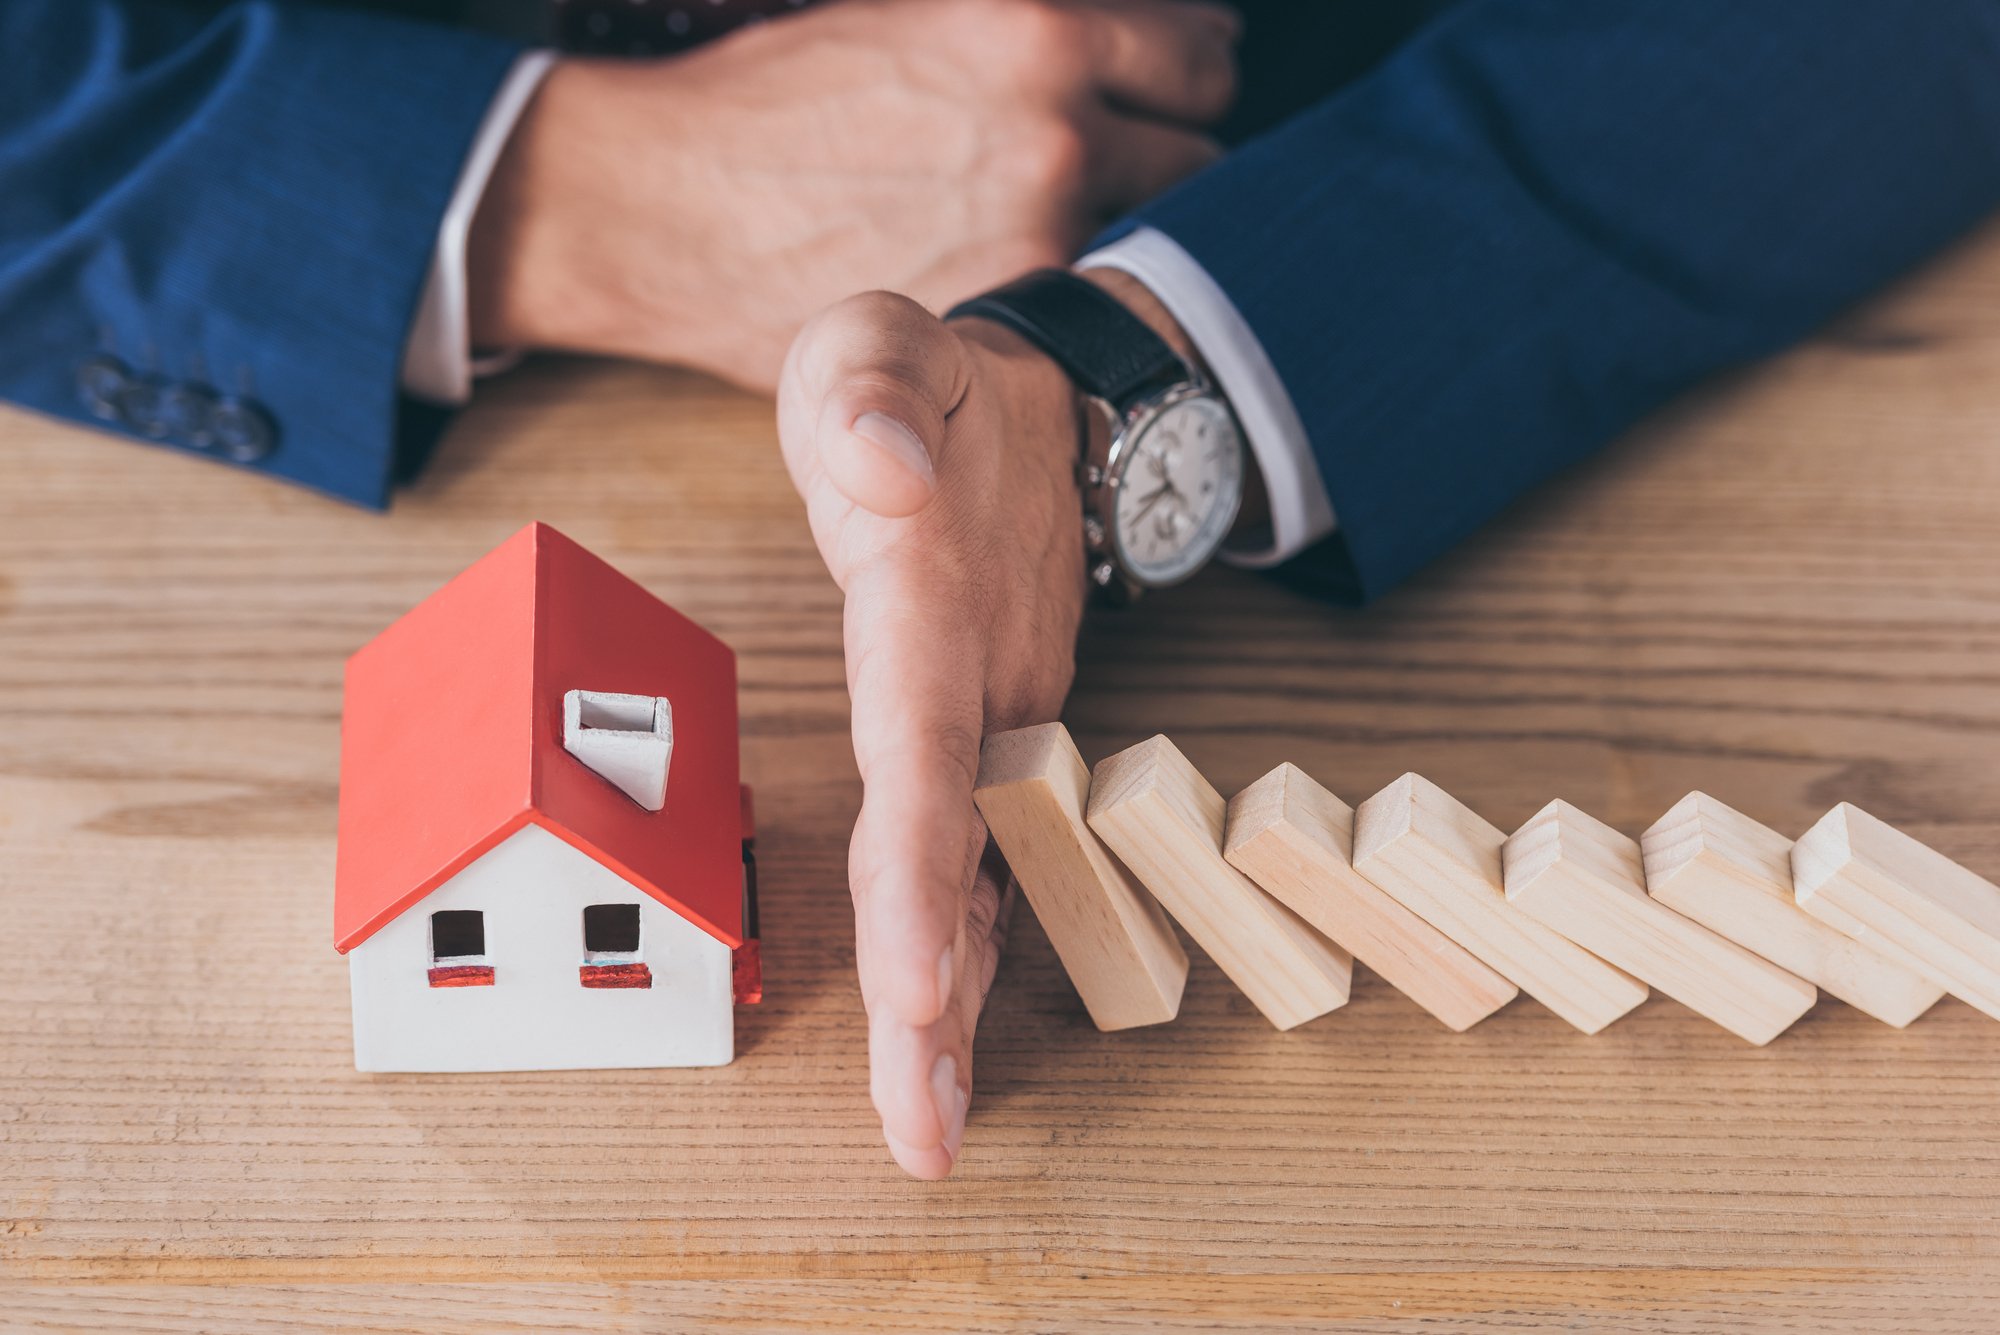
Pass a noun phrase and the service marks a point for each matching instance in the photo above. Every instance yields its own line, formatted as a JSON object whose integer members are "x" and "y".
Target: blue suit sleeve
{"x": 238, "y": 201}
{"x": 1542, "y": 218}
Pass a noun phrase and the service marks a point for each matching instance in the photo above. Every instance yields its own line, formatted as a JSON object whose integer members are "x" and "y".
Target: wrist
{"x": 1137, "y": 298}
{"x": 545, "y": 263}
{"x": 512, "y": 227}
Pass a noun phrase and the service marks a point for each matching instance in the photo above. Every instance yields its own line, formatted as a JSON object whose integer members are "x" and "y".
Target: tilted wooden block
{"x": 1441, "y": 860}
{"x": 1903, "y": 899}
{"x": 1296, "y": 840}
{"x": 1715, "y": 865}
{"x": 1164, "y": 820}
{"x": 1584, "y": 879}
{"x": 1112, "y": 937}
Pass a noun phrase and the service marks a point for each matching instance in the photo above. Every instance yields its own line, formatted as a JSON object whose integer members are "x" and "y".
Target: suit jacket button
{"x": 142, "y": 405}
{"x": 244, "y": 432}
{"x": 189, "y": 410}
{"x": 99, "y": 383}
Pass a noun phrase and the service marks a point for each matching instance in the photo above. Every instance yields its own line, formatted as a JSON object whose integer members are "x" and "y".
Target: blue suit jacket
{"x": 244, "y": 197}
{"x": 1472, "y": 266}
{"x": 1541, "y": 218}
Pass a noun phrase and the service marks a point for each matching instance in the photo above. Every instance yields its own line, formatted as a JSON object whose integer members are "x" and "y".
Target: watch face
{"x": 1177, "y": 486}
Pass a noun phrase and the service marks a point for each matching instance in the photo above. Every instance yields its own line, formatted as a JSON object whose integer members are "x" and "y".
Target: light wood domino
{"x": 1165, "y": 821}
{"x": 1903, "y": 898}
{"x": 1294, "y": 838}
{"x": 1711, "y": 863}
{"x": 1584, "y": 879}
{"x": 1441, "y": 860}
{"x": 1112, "y": 937}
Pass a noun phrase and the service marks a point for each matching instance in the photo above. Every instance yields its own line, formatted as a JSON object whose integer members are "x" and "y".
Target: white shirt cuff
{"x": 438, "y": 365}
{"x": 1301, "y": 513}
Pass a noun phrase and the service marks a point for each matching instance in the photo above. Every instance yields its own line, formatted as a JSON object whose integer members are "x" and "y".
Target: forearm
{"x": 240, "y": 202}
{"x": 1538, "y": 222}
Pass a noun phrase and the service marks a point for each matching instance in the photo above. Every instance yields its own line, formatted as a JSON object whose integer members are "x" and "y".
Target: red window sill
{"x": 462, "y": 975}
{"x": 615, "y": 975}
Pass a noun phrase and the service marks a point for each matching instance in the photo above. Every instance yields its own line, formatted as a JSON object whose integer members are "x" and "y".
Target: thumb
{"x": 877, "y": 375}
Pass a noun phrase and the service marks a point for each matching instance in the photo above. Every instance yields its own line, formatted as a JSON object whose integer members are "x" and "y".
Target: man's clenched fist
{"x": 697, "y": 209}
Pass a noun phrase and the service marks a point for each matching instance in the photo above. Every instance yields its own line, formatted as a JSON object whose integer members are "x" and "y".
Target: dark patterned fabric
{"x": 654, "y": 27}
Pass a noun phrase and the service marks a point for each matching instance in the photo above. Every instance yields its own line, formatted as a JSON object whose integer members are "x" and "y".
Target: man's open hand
{"x": 698, "y": 209}
{"x": 938, "y": 467}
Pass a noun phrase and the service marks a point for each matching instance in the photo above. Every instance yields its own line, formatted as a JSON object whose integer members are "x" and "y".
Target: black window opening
{"x": 458, "y": 934}
{"x": 611, "y": 931}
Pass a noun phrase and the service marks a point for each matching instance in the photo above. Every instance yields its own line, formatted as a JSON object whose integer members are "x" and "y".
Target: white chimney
{"x": 627, "y": 739}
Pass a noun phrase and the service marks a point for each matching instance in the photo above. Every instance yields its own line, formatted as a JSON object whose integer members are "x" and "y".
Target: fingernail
{"x": 955, "y": 1137}
{"x": 885, "y": 431}
{"x": 950, "y": 1101}
{"x": 944, "y": 979}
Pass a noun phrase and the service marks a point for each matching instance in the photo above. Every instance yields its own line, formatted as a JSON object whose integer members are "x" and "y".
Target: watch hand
{"x": 1149, "y": 500}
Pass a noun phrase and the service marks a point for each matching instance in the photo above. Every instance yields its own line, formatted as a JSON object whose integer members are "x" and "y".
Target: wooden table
{"x": 1786, "y": 592}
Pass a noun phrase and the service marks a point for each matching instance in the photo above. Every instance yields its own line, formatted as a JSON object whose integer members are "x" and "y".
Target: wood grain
{"x": 1578, "y": 876}
{"x": 1708, "y": 861}
{"x": 1784, "y": 592}
{"x": 1441, "y": 860}
{"x": 1879, "y": 885}
{"x": 1165, "y": 821}
{"x": 1113, "y": 938}
{"x": 1291, "y": 836}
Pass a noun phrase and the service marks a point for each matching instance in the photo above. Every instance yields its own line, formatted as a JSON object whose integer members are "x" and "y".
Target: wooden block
{"x": 1165, "y": 821}
{"x": 1713, "y": 864}
{"x": 1441, "y": 860}
{"x": 1903, "y": 899}
{"x": 1112, "y": 937}
{"x": 1584, "y": 879}
{"x": 1296, "y": 840}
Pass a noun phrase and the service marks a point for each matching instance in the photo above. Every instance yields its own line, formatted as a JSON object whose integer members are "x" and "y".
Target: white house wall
{"x": 536, "y": 1015}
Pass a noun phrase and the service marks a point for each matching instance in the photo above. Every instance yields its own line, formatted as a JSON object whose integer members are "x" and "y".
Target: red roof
{"x": 451, "y": 738}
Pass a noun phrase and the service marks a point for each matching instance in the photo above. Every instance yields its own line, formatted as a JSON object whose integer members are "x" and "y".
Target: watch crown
{"x": 1102, "y": 574}
{"x": 1093, "y": 531}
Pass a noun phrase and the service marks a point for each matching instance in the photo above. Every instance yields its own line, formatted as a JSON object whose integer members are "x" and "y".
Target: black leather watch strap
{"x": 1108, "y": 351}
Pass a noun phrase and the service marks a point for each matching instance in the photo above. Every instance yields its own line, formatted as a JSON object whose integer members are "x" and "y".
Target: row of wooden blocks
{"x": 1285, "y": 885}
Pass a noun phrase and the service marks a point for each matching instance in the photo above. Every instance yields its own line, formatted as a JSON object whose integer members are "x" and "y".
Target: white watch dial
{"x": 1177, "y": 485}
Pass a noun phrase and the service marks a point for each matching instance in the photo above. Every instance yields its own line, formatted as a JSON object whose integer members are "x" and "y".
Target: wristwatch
{"x": 1159, "y": 498}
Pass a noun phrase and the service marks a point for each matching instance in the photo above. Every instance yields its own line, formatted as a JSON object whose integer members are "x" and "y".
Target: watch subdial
{"x": 1178, "y": 491}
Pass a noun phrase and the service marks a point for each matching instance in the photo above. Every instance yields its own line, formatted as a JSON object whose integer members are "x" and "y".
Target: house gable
{"x": 536, "y": 1013}
{"x": 452, "y": 739}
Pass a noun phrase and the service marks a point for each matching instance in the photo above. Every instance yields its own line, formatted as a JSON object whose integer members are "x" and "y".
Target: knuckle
{"x": 1038, "y": 27}
{"x": 1053, "y": 159}
{"x": 958, "y": 745}
{"x": 1035, "y": 40}
{"x": 882, "y": 336}
{"x": 870, "y": 312}
{"x": 1212, "y": 78}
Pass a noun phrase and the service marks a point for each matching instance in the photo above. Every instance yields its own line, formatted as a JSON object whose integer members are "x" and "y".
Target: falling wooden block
{"x": 1584, "y": 879}
{"x": 1441, "y": 860}
{"x": 1296, "y": 840}
{"x": 1732, "y": 875}
{"x": 1111, "y": 936}
{"x": 1165, "y": 821}
{"x": 1903, "y": 899}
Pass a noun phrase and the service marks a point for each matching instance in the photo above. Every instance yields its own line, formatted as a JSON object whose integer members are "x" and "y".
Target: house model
{"x": 544, "y": 846}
